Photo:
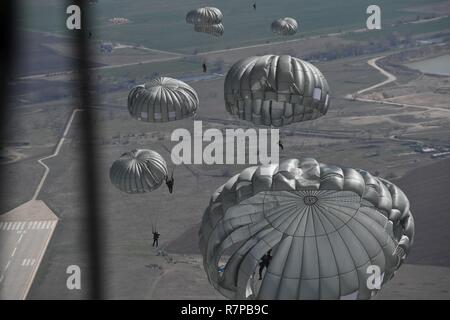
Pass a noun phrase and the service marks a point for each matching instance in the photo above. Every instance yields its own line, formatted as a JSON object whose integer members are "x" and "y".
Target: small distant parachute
{"x": 206, "y": 15}
{"x": 285, "y": 26}
{"x": 206, "y": 20}
{"x": 162, "y": 99}
{"x": 212, "y": 29}
{"x": 276, "y": 90}
{"x": 327, "y": 228}
{"x": 138, "y": 171}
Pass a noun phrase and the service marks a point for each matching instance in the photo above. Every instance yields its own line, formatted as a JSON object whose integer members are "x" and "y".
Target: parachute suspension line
{"x": 166, "y": 177}
{"x": 270, "y": 113}
{"x": 155, "y": 217}
{"x": 149, "y": 220}
{"x": 155, "y": 221}
{"x": 136, "y": 217}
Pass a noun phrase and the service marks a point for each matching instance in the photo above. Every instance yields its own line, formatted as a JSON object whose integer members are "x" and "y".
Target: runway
{"x": 24, "y": 234}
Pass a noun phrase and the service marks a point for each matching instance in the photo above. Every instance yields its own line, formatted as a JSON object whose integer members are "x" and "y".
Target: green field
{"x": 160, "y": 24}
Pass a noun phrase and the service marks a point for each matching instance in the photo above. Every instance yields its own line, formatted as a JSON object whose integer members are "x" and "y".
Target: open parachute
{"x": 276, "y": 90}
{"x": 206, "y": 20}
{"x": 212, "y": 29}
{"x": 206, "y": 15}
{"x": 326, "y": 226}
{"x": 162, "y": 99}
{"x": 285, "y": 26}
{"x": 138, "y": 171}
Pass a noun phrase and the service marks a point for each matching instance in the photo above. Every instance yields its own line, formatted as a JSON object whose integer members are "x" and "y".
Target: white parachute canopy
{"x": 162, "y": 99}
{"x": 285, "y": 26}
{"x": 212, "y": 29}
{"x": 206, "y": 20}
{"x": 138, "y": 171}
{"x": 206, "y": 15}
{"x": 276, "y": 90}
{"x": 324, "y": 226}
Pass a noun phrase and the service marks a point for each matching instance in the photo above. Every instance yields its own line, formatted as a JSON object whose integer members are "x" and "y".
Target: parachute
{"x": 276, "y": 90}
{"x": 138, "y": 171}
{"x": 206, "y": 20}
{"x": 162, "y": 99}
{"x": 212, "y": 29}
{"x": 325, "y": 227}
{"x": 285, "y": 26}
{"x": 206, "y": 15}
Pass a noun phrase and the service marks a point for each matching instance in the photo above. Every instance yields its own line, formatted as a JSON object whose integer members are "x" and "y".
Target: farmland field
{"x": 162, "y": 25}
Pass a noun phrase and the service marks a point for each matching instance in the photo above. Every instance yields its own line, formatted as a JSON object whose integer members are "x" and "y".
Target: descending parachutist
{"x": 155, "y": 238}
{"x": 264, "y": 263}
{"x": 170, "y": 182}
{"x": 280, "y": 145}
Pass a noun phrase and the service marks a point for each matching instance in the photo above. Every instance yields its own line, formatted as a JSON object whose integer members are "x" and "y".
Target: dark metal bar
{"x": 90, "y": 181}
{"x": 8, "y": 27}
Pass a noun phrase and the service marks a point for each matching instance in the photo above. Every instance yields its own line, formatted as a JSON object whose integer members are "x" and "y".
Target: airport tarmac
{"x": 24, "y": 234}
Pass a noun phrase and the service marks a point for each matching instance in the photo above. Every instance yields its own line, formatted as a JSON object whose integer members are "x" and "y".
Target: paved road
{"x": 24, "y": 235}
